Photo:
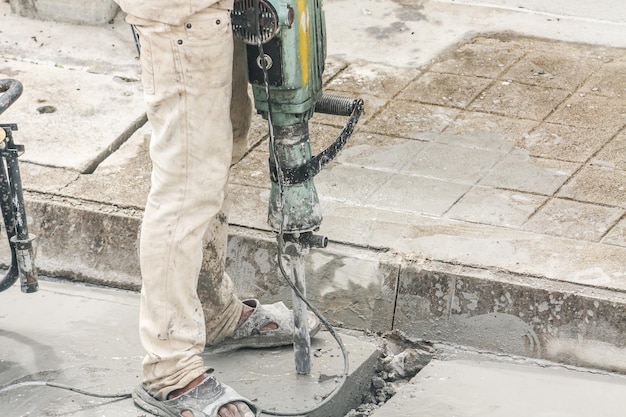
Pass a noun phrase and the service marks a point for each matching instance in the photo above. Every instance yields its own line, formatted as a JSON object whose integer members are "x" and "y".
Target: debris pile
{"x": 401, "y": 360}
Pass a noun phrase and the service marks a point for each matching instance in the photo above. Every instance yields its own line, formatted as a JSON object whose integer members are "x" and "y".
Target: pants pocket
{"x": 147, "y": 64}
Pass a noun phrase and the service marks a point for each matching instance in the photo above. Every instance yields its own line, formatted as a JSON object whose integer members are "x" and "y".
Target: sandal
{"x": 203, "y": 400}
{"x": 251, "y": 335}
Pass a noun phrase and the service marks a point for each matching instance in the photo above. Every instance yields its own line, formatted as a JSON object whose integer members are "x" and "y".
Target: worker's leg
{"x": 187, "y": 84}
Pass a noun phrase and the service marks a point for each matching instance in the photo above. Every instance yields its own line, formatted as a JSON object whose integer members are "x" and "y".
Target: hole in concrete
{"x": 46, "y": 109}
{"x": 401, "y": 360}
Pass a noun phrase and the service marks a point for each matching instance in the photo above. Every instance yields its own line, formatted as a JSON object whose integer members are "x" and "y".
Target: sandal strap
{"x": 203, "y": 400}
{"x": 263, "y": 315}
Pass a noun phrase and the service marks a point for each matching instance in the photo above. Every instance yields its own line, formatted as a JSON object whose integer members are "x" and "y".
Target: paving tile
{"x": 372, "y": 79}
{"x": 599, "y": 185}
{"x": 617, "y": 235}
{"x": 518, "y": 171}
{"x": 487, "y": 141}
{"x": 608, "y": 81}
{"x": 417, "y": 194}
{"x": 44, "y": 179}
{"x": 613, "y": 155}
{"x": 332, "y": 67}
{"x": 552, "y": 69}
{"x": 249, "y": 206}
{"x": 567, "y": 143}
{"x": 488, "y": 131}
{"x": 495, "y": 207}
{"x": 513, "y": 99}
{"x": 113, "y": 107}
{"x": 591, "y": 110}
{"x": 124, "y": 177}
{"x": 482, "y": 57}
{"x": 574, "y": 220}
{"x": 253, "y": 170}
{"x": 452, "y": 163}
{"x": 408, "y": 119}
{"x": 445, "y": 89}
{"x": 369, "y": 150}
{"x": 349, "y": 183}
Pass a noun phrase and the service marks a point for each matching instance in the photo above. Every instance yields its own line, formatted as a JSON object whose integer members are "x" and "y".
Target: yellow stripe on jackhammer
{"x": 304, "y": 42}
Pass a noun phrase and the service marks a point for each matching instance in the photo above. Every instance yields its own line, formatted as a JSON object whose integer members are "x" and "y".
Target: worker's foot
{"x": 262, "y": 326}
{"x": 233, "y": 409}
{"x": 204, "y": 396}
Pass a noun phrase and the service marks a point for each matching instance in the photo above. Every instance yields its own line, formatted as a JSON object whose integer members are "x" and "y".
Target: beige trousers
{"x": 192, "y": 89}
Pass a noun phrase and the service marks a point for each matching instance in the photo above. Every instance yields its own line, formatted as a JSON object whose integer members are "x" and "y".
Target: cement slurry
{"x": 86, "y": 337}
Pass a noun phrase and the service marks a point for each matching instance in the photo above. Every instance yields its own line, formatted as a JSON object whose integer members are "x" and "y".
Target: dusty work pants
{"x": 189, "y": 81}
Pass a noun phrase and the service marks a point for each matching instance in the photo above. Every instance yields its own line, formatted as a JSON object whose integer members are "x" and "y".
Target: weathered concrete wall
{"x": 68, "y": 11}
{"x": 362, "y": 289}
{"x": 509, "y": 314}
{"x": 353, "y": 288}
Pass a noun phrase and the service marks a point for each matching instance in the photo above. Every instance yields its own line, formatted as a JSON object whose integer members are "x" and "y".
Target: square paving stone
{"x": 445, "y": 89}
{"x": 574, "y": 220}
{"x": 417, "y": 194}
{"x": 617, "y": 235}
{"x": 409, "y": 119}
{"x": 482, "y": 57}
{"x": 123, "y": 178}
{"x": 372, "y": 79}
{"x": 496, "y": 207}
{"x": 519, "y": 171}
{"x": 453, "y": 163}
{"x": 513, "y": 99}
{"x": 613, "y": 155}
{"x": 369, "y": 150}
{"x": 332, "y": 67}
{"x": 488, "y": 131}
{"x": 552, "y": 69}
{"x": 567, "y": 143}
{"x": 608, "y": 81}
{"x": 591, "y": 110}
{"x": 45, "y": 179}
{"x": 350, "y": 183}
{"x": 93, "y": 113}
{"x": 599, "y": 185}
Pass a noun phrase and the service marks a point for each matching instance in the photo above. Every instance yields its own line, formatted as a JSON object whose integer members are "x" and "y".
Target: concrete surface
{"x": 90, "y": 12}
{"x": 86, "y": 337}
{"x": 480, "y": 201}
{"x": 480, "y": 388}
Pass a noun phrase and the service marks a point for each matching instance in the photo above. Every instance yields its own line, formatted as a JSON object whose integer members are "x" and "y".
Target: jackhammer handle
{"x": 11, "y": 90}
{"x": 336, "y": 105}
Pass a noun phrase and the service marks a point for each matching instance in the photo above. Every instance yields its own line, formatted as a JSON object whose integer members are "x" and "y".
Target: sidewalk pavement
{"x": 480, "y": 202}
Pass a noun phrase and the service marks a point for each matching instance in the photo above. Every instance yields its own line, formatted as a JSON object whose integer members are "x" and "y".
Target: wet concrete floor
{"x": 86, "y": 337}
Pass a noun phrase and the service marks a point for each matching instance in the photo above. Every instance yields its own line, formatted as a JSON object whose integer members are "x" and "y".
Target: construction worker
{"x": 192, "y": 91}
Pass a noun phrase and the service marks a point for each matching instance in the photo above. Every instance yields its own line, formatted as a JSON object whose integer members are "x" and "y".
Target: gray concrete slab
{"x": 86, "y": 337}
{"x": 479, "y": 388}
{"x": 71, "y": 118}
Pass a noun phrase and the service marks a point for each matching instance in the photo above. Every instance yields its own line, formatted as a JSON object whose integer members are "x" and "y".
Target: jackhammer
{"x": 286, "y": 51}
{"x": 12, "y": 200}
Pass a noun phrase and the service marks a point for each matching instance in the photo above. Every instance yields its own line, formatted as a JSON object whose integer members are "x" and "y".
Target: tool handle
{"x": 11, "y": 90}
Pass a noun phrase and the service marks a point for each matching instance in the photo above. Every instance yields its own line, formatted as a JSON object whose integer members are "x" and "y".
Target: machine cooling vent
{"x": 245, "y": 25}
